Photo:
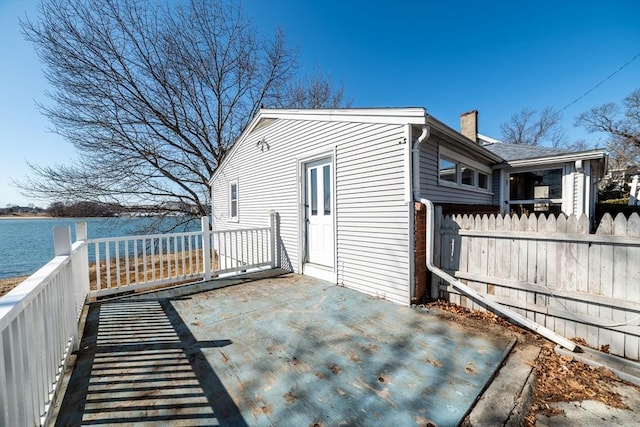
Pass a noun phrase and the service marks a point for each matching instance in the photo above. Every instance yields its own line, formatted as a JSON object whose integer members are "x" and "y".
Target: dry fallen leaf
{"x": 558, "y": 378}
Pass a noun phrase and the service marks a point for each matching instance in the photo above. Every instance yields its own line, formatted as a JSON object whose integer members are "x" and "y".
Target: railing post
{"x": 206, "y": 247}
{"x": 81, "y": 231}
{"x": 62, "y": 240}
{"x": 62, "y": 246}
{"x": 275, "y": 258}
{"x": 81, "y": 267}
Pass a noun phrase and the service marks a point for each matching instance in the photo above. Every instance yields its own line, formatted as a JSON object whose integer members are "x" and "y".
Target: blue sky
{"x": 450, "y": 57}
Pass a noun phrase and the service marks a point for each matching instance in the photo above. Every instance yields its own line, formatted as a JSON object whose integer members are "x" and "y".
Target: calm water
{"x": 27, "y": 244}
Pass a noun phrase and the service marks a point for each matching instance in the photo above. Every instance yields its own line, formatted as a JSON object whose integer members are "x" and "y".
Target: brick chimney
{"x": 469, "y": 125}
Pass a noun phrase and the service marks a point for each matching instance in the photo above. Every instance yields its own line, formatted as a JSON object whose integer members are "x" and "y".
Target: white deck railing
{"x": 40, "y": 318}
{"x": 241, "y": 250}
{"x": 130, "y": 263}
{"x": 39, "y": 330}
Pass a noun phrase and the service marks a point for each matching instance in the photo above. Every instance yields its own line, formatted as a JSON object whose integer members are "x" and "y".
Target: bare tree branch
{"x": 152, "y": 95}
{"x": 622, "y": 126}
{"x": 530, "y": 128}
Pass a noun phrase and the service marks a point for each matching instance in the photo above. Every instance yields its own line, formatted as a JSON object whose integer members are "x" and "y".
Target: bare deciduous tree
{"x": 621, "y": 124}
{"x": 153, "y": 95}
{"x": 530, "y": 128}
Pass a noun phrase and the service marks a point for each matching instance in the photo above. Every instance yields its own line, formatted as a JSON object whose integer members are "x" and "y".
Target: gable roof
{"x": 265, "y": 116}
{"x": 491, "y": 149}
{"x": 391, "y": 115}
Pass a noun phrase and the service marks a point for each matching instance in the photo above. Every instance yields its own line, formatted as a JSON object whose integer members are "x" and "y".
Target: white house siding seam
{"x": 429, "y": 187}
{"x": 372, "y": 221}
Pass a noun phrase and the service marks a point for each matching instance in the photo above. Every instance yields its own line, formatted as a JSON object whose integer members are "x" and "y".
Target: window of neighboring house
{"x": 538, "y": 191}
{"x": 233, "y": 200}
{"x": 448, "y": 170}
{"x": 465, "y": 172}
{"x": 468, "y": 176}
{"x": 483, "y": 181}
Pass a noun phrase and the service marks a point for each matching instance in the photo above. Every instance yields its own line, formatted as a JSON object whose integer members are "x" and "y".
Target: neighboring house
{"x": 344, "y": 181}
{"x": 536, "y": 179}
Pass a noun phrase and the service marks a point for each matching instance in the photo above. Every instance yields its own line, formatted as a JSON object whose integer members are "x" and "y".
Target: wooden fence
{"x": 552, "y": 271}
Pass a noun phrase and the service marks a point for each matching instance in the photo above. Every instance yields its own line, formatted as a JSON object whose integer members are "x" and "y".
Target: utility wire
{"x": 599, "y": 84}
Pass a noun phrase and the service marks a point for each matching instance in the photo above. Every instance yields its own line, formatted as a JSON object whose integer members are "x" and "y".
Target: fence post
{"x": 206, "y": 247}
{"x": 274, "y": 238}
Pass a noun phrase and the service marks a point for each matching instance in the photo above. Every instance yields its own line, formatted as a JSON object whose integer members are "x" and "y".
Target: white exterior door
{"x": 319, "y": 212}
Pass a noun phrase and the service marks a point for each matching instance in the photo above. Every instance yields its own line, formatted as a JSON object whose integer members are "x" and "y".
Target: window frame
{"x": 537, "y": 202}
{"x": 488, "y": 180}
{"x": 461, "y": 162}
{"x": 456, "y": 173}
{"x": 235, "y": 217}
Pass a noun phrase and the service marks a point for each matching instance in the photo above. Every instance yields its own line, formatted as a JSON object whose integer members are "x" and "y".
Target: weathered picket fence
{"x": 39, "y": 319}
{"x": 551, "y": 270}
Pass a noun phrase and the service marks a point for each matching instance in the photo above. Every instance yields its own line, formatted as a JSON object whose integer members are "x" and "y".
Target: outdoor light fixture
{"x": 263, "y": 145}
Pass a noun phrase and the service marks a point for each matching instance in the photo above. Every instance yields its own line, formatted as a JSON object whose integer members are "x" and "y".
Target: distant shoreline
{"x": 25, "y": 217}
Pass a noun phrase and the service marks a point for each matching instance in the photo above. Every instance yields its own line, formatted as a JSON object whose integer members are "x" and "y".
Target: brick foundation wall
{"x": 420, "y": 254}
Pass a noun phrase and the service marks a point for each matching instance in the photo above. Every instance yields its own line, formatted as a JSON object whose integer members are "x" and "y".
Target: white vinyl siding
{"x": 372, "y": 217}
{"x": 437, "y": 192}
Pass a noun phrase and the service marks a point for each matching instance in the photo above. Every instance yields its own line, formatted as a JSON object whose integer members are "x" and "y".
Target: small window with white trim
{"x": 233, "y": 200}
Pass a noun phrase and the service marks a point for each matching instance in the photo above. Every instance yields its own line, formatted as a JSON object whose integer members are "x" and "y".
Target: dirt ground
{"x": 558, "y": 378}
{"x": 9, "y": 283}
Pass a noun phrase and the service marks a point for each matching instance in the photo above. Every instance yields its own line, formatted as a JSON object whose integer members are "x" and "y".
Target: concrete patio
{"x": 274, "y": 349}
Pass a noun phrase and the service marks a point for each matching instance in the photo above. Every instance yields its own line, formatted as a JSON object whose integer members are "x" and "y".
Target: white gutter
{"x": 415, "y": 157}
{"x": 548, "y": 160}
{"x": 457, "y": 284}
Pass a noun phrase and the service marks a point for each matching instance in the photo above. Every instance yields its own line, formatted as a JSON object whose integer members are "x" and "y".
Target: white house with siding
{"x": 344, "y": 181}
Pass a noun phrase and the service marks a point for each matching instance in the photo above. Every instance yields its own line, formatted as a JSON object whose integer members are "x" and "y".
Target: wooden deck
{"x": 285, "y": 351}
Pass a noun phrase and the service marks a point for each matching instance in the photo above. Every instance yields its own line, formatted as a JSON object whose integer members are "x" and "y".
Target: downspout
{"x": 415, "y": 183}
{"x": 457, "y": 284}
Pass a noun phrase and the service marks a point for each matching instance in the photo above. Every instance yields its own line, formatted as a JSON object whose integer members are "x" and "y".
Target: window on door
{"x": 326, "y": 174}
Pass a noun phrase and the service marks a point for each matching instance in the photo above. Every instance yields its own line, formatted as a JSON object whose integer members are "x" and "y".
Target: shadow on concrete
{"x": 138, "y": 362}
{"x": 286, "y": 350}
